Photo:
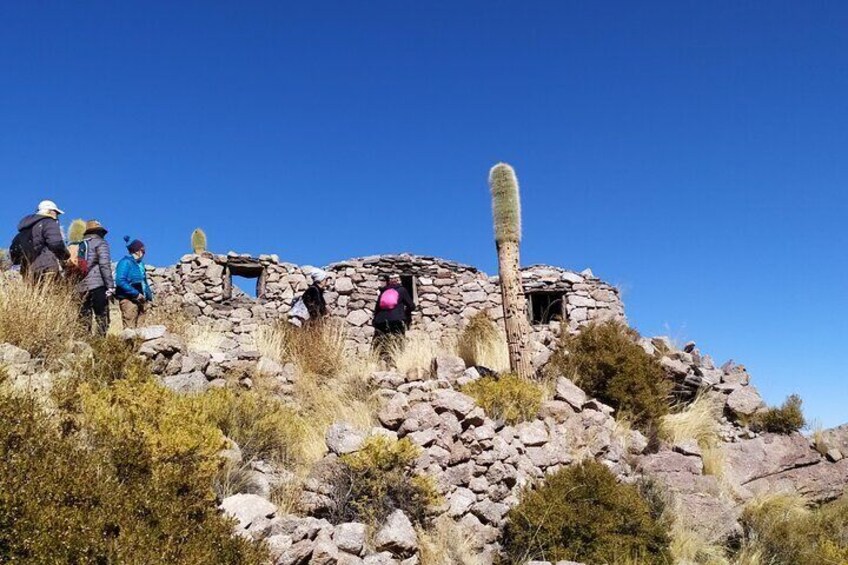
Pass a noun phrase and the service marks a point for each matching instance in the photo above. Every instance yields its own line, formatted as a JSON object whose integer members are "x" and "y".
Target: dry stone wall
{"x": 447, "y": 294}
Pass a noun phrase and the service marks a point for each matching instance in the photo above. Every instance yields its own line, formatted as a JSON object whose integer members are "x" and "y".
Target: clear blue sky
{"x": 692, "y": 152}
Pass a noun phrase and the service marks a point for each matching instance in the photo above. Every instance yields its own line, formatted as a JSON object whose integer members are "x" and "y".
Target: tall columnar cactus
{"x": 198, "y": 241}
{"x": 76, "y": 231}
{"x": 506, "y": 211}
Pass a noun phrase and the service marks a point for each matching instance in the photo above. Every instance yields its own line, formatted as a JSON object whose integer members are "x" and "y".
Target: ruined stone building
{"x": 446, "y": 293}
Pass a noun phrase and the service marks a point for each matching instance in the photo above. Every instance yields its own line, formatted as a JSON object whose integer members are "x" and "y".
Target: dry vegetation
{"x": 41, "y": 318}
{"x": 699, "y": 422}
{"x": 446, "y": 543}
{"x": 481, "y": 343}
{"x": 507, "y": 397}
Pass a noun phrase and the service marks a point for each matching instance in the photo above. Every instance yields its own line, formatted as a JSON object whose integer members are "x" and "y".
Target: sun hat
{"x": 93, "y": 226}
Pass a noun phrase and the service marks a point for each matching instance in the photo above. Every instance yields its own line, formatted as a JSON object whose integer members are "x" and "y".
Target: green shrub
{"x": 785, "y": 419}
{"x": 379, "y": 479}
{"x": 508, "y": 397}
{"x": 605, "y": 361}
{"x": 785, "y": 532}
{"x": 63, "y": 500}
{"x": 582, "y": 513}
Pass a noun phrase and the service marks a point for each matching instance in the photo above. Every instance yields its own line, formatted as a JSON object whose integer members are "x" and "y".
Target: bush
{"x": 63, "y": 501}
{"x": 379, "y": 479}
{"x": 785, "y": 532}
{"x": 786, "y": 419}
{"x": 42, "y": 318}
{"x": 605, "y": 361}
{"x": 508, "y": 397}
{"x": 481, "y": 344}
{"x": 582, "y": 513}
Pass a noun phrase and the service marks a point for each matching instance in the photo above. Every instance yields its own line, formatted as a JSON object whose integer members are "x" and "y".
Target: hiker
{"x": 392, "y": 314}
{"x": 131, "y": 287}
{"x": 313, "y": 297}
{"x": 97, "y": 285}
{"x": 39, "y": 247}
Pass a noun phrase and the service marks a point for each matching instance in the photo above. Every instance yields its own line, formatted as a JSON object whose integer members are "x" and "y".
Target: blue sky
{"x": 693, "y": 153}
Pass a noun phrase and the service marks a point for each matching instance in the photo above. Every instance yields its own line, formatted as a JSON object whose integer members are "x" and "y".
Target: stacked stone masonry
{"x": 447, "y": 294}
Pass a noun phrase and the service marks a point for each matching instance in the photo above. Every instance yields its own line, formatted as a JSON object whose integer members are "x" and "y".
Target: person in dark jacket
{"x": 313, "y": 297}
{"x": 392, "y": 314}
{"x": 131, "y": 287}
{"x": 47, "y": 241}
{"x": 98, "y": 284}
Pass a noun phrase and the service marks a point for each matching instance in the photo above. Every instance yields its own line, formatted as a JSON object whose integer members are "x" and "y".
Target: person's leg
{"x": 129, "y": 313}
{"x": 100, "y": 305}
{"x": 142, "y": 314}
{"x": 85, "y": 311}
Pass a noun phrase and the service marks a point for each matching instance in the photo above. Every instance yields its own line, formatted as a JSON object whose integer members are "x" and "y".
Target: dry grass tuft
{"x": 508, "y": 397}
{"x": 698, "y": 421}
{"x": 414, "y": 353}
{"x": 42, "y": 318}
{"x": 317, "y": 349}
{"x": 447, "y": 543}
{"x": 482, "y": 343}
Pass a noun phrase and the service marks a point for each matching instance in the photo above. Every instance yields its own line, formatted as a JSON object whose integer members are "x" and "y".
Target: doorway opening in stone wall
{"x": 408, "y": 282}
{"x": 244, "y": 277}
{"x": 544, "y": 307}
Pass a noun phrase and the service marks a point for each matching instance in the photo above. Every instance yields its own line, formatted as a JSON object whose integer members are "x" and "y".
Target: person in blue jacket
{"x": 131, "y": 287}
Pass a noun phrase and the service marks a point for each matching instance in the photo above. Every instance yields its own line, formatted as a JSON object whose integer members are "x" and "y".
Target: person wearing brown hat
{"x": 98, "y": 284}
{"x": 131, "y": 287}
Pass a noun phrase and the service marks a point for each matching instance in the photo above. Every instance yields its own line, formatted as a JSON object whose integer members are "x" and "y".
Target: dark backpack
{"x": 22, "y": 251}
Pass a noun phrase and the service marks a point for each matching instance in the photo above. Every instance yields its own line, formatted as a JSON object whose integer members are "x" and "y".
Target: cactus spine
{"x": 198, "y": 241}
{"x": 76, "y": 231}
{"x": 506, "y": 212}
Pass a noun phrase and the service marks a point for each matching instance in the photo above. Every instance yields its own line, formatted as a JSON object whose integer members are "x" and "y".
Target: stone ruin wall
{"x": 447, "y": 294}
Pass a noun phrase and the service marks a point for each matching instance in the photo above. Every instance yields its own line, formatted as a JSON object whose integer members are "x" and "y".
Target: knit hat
{"x": 93, "y": 226}
{"x": 133, "y": 246}
{"x": 319, "y": 275}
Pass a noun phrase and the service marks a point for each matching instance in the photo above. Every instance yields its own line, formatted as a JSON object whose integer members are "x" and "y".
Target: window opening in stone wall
{"x": 244, "y": 278}
{"x": 408, "y": 282}
{"x": 545, "y": 307}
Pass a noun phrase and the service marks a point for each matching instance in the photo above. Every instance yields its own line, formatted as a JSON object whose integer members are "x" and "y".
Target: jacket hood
{"x": 30, "y": 220}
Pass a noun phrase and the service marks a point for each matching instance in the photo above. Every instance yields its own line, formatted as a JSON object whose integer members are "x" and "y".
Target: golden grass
{"x": 482, "y": 343}
{"x": 447, "y": 543}
{"x": 317, "y": 349}
{"x": 699, "y": 421}
{"x": 42, "y": 318}
{"x": 414, "y": 353}
{"x": 818, "y": 439}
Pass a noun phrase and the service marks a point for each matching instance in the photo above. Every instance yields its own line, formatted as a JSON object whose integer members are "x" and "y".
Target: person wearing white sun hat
{"x": 39, "y": 247}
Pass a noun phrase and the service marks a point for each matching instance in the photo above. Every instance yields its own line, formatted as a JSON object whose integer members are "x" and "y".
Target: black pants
{"x": 95, "y": 301}
{"x": 385, "y": 333}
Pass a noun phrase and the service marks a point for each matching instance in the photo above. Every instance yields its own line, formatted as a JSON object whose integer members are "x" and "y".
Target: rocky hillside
{"x": 414, "y": 464}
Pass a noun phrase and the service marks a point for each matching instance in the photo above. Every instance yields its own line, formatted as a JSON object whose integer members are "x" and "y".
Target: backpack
{"x": 22, "y": 251}
{"x": 77, "y": 265}
{"x": 389, "y": 299}
{"x": 299, "y": 312}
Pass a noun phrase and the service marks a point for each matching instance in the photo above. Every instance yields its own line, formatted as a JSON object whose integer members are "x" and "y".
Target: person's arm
{"x": 104, "y": 261}
{"x": 52, "y": 235}
{"x": 122, "y": 280}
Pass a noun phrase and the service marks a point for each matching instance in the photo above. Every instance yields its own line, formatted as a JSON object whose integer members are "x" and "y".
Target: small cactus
{"x": 198, "y": 241}
{"x": 76, "y": 231}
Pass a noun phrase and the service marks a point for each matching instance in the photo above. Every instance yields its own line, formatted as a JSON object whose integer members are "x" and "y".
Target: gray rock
{"x": 267, "y": 367}
{"x": 12, "y": 355}
{"x": 397, "y": 535}
{"x": 833, "y": 455}
{"x": 149, "y": 333}
{"x": 744, "y": 401}
{"x": 532, "y": 433}
{"x": 449, "y": 367}
{"x": 447, "y": 400}
{"x": 246, "y": 508}
{"x": 298, "y": 554}
{"x": 324, "y": 551}
{"x": 570, "y": 392}
{"x": 350, "y": 537}
{"x": 394, "y": 411}
{"x": 187, "y": 383}
{"x": 769, "y": 454}
{"x": 460, "y": 502}
{"x": 342, "y": 438}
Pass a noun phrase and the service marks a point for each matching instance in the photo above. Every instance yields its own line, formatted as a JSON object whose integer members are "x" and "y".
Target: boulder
{"x": 12, "y": 355}
{"x": 186, "y": 383}
{"x": 246, "y": 508}
{"x": 149, "y": 333}
{"x": 744, "y": 401}
{"x": 767, "y": 455}
{"x": 447, "y": 400}
{"x": 342, "y": 438}
{"x": 350, "y": 537}
{"x": 570, "y": 392}
{"x": 449, "y": 367}
{"x": 397, "y": 535}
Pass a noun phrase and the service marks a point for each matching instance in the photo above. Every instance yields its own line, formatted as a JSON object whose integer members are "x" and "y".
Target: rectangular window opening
{"x": 545, "y": 307}
{"x": 245, "y": 286}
